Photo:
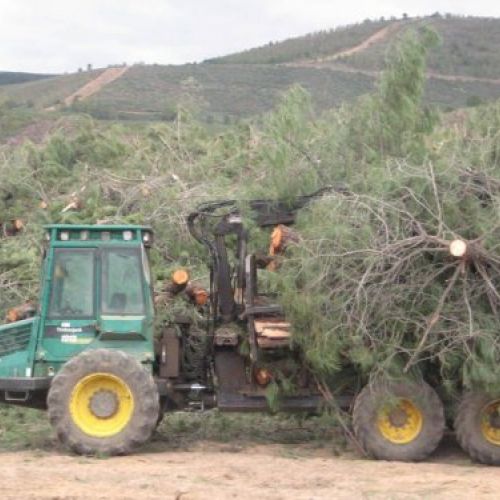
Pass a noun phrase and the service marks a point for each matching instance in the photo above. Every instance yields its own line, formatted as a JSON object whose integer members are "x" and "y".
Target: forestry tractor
{"x": 98, "y": 354}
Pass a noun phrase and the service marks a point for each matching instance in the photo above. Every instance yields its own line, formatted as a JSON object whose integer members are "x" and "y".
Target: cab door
{"x": 71, "y": 321}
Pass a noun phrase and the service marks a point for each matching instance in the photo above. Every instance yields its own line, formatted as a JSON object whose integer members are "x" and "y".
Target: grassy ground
{"x": 25, "y": 429}
{"x": 22, "y": 429}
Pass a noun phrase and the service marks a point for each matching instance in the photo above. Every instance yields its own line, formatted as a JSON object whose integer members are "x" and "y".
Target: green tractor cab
{"x": 95, "y": 293}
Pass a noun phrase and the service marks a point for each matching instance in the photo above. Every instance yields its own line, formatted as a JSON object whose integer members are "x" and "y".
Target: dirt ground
{"x": 222, "y": 471}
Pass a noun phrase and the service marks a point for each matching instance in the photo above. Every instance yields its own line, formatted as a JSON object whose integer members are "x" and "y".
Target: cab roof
{"x": 98, "y": 227}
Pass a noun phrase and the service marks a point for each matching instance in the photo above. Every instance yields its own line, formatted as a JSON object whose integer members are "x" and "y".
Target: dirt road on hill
{"x": 217, "y": 472}
{"x": 377, "y": 37}
{"x": 105, "y": 78}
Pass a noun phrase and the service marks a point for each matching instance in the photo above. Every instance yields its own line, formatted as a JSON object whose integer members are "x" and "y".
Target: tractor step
{"x": 239, "y": 402}
{"x": 23, "y": 391}
{"x": 24, "y": 384}
{"x": 16, "y": 397}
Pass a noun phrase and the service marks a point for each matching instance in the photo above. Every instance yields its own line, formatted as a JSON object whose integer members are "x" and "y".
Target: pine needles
{"x": 384, "y": 292}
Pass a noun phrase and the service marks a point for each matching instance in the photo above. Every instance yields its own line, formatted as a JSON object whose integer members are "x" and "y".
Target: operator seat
{"x": 118, "y": 302}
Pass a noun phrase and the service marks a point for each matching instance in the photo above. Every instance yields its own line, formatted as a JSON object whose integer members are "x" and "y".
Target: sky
{"x": 56, "y": 36}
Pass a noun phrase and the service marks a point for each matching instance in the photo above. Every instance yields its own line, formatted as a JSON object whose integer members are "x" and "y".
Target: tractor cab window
{"x": 122, "y": 282}
{"x": 72, "y": 294}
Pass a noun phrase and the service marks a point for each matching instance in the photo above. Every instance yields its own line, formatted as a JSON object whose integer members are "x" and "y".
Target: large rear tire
{"x": 477, "y": 427}
{"x": 399, "y": 420}
{"x": 103, "y": 402}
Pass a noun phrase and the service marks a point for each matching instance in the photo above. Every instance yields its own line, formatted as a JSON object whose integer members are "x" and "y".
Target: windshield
{"x": 72, "y": 292}
{"x": 122, "y": 282}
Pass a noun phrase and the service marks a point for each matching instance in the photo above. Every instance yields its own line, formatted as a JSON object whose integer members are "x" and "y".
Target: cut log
{"x": 272, "y": 328}
{"x": 75, "y": 204}
{"x": 197, "y": 294}
{"x": 262, "y": 260}
{"x": 458, "y": 248}
{"x": 24, "y": 311}
{"x": 180, "y": 277}
{"x": 267, "y": 343}
{"x": 281, "y": 237}
{"x": 12, "y": 227}
{"x": 272, "y": 333}
{"x": 178, "y": 282}
{"x": 75, "y": 201}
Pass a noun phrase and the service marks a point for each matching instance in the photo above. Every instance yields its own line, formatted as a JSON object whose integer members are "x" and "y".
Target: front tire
{"x": 103, "y": 402}
{"x": 477, "y": 427}
{"x": 399, "y": 420}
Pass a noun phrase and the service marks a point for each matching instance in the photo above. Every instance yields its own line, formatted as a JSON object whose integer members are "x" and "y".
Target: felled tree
{"x": 403, "y": 280}
{"x": 372, "y": 285}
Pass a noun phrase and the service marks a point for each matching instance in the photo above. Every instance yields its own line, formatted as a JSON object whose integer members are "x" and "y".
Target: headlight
{"x": 147, "y": 238}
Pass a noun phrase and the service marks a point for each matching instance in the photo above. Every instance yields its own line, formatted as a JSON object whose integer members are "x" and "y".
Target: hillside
{"x": 46, "y": 92}
{"x": 335, "y": 66}
{"x": 312, "y": 45}
{"x": 219, "y": 91}
{"x": 469, "y": 46}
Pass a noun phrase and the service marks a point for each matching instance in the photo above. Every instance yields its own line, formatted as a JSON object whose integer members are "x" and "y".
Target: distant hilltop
{"x": 335, "y": 66}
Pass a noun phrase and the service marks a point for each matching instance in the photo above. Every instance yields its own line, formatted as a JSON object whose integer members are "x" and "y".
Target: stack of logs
{"x": 180, "y": 284}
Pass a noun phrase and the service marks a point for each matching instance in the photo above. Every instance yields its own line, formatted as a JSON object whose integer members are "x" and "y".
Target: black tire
{"x": 369, "y": 405}
{"x": 143, "y": 409}
{"x": 159, "y": 419}
{"x": 468, "y": 428}
{"x": 161, "y": 412}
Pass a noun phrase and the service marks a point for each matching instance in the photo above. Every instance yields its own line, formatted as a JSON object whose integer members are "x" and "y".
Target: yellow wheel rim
{"x": 490, "y": 422}
{"x": 101, "y": 405}
{"x": 400, "y": 423}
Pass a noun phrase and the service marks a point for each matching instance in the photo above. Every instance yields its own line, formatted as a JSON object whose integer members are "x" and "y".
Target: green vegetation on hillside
{"x": 311, "y": 46}
{"x": 47, "y": 92}
{"x": 218, "y": 91}
{"x": 13, "y": 118}
{"x": 10, "y": 77}
{"x": 469, "y": 48}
